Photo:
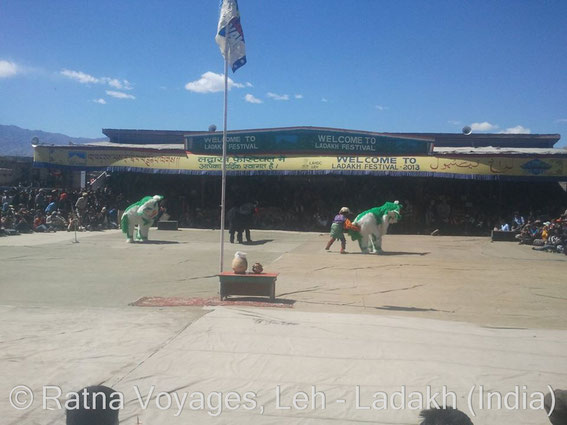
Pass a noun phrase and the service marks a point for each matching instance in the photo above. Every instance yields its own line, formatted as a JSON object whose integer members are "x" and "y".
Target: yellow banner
{"x": 170, "y": 161}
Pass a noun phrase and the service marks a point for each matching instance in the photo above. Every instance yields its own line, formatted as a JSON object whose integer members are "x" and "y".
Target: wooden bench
{"x": 504, "y": 236}
{"x": 258, "y": 284}
{"x": 167, "y": 225}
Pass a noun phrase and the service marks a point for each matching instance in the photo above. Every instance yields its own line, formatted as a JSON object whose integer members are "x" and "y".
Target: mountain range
{"x": 16, "y": 141}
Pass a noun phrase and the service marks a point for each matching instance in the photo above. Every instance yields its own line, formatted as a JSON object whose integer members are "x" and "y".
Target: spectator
{"x": 444, "y": 416}
{"x": 528, "y": 233}
{"x": 163, "y": 214}
{"x": 52, "y": 206}
{"x": 518, "y": 221}
{"x": 113, "y": 218}
{"x": 559, "y": 414}
{"x": 443, "y": 211}
{"x": 7, "y": 220}
{"x": 73, "y": 223}
{"x": 555, "y": 241}
{"x": 96, "y": 405}
{"x": 39, "y": 224}
{"x": 81, "y": 204}
{"x": 6, "y": 201}
{"x": 40, "y": 201}
{"x": 56, "y": 221}
{"x": 21, "y": 224}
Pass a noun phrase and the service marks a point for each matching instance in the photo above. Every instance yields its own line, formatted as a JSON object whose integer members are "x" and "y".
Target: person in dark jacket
{"x": 240, "y": 220}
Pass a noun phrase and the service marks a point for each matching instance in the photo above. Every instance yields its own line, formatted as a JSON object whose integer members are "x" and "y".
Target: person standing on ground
{"x": 339, "y": 225}
{"x": 240, "y": 220}
{"x": 81, "y": 208}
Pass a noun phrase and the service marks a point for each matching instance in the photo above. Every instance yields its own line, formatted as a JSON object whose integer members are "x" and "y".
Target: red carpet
{"x": 200, "y": 302}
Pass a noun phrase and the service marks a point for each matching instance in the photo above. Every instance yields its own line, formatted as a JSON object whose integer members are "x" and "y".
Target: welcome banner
{"x": 303, "y": 141}
{"x": 180, "y": 162}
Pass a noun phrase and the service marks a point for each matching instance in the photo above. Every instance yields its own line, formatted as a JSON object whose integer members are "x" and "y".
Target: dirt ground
{"x": 471, "y": 279}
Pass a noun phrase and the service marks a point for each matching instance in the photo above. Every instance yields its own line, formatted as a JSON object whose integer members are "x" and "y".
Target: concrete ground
{"x": 68, "y": 321}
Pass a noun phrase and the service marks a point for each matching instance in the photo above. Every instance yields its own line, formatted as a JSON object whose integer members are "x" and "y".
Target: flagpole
{"x": 230, "y": 32}
{"x": 223, "y": 184}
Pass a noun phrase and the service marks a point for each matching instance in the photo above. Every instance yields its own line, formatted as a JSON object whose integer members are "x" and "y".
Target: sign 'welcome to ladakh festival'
{"x": 178, "y": 161}
{"x": 306, "y": 140}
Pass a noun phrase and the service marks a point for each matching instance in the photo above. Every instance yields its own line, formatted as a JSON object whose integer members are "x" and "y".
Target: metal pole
{"x": 223, "y": 184}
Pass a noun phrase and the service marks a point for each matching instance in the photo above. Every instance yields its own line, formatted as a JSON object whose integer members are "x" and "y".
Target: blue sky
{"x": 77, "y": 66}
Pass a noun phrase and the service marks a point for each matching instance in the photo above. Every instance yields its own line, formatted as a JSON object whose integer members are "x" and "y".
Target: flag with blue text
{"x": 230, "y": 31}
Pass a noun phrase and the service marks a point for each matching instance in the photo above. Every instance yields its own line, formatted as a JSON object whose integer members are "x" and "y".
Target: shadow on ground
{"x": 258, "y": 242}
{"x": 391, "y": 253}
{"x": 402, "y": 308}
{"x": 154, "y": 242}
{"x": 237, "y": 299}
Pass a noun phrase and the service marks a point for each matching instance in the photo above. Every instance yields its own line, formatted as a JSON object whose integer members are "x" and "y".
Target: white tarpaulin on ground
{"x": 337, "y": 360}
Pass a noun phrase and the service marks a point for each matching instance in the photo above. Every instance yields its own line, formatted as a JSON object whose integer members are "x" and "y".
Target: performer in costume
{"x": 339, "y": 225}
{"x": 373, "y": 224}
{"x": 141, "y": 214}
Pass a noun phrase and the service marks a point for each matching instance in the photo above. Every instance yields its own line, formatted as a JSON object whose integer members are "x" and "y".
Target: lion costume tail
{"x": 354, "y": 235}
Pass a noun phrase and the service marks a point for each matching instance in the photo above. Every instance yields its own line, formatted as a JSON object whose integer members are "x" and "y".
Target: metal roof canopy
{"x": 143, "y": 137}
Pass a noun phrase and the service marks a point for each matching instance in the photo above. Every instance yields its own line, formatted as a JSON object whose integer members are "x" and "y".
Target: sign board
{"x": 305, "y": 141}
{"x": 180, "y": 162}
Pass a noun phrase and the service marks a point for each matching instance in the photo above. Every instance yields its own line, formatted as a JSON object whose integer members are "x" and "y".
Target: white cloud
{"x": 298, "y": 96}
{"x": 119, "y": 94}
{"x": 381, "y": 107}
{"x": 324, "y": 99}
{"x": 249, "y": 84}
{"x": 561, "y": 120}
{"x": 113, "y": 82}
{"x": 276, "y": 96}
{"x": 79, "y": 76}
{"x": 453, "y": 122}
{"x": 101, "y": 101}
{"x": 210, "y": 83}
{"x": 84, "y": 78}
{"x": 251, "y": 99}
{"x": 483, "y": 126}
{"x": 8, "y": 69}
{"x": 117, "y": 84}
{"x": 516, "y": 130}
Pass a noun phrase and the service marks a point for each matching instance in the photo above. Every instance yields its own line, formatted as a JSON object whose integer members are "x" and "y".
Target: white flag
{"x": 229, "y": 30}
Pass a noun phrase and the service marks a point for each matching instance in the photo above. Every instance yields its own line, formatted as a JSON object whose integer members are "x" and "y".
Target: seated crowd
{"x": 27, "y": 210}
{"x": 280, "y": 207}
{"x": 543, "y": 234}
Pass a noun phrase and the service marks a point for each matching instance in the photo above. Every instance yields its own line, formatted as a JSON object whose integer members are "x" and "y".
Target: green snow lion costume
{"x": 373, "y": 225}
{"x": 141, "y": 214}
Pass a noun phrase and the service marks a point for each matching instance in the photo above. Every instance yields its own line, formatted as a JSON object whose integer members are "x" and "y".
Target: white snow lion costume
{"x": 141, "y": 214}
{"x": 373, "y": 225}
